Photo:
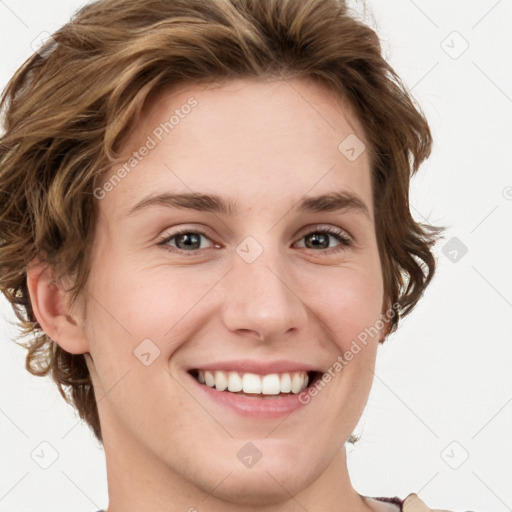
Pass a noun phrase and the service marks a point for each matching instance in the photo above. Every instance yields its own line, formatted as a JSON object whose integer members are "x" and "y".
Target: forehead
{"x": 244, "y": 139}
{"x": 268, "y": 105}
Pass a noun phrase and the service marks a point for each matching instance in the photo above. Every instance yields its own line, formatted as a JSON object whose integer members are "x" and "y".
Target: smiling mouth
{"x": 254, "y": 385}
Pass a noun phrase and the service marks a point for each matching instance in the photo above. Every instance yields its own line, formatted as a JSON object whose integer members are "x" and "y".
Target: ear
{"x": 50, "y": 305}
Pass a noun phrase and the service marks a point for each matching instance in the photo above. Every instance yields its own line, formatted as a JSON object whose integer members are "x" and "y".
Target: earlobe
{"x": 384, "y": 333}
{"x": 387, "y": 326}
{"x": 50, "y": 306}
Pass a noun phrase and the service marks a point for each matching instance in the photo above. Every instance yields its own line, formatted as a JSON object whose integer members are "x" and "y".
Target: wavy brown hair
{"x": 67, "y": 108}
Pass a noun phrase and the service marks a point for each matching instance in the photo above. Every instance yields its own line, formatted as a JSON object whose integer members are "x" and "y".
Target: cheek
{"x": 137, "y": 320}
{"x": 350, "y": 309}
{"x": 143, "y": 302}
{"x": 349, "y": 303}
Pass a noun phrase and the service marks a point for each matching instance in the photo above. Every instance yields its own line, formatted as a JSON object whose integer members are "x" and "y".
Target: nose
{"x": 262, "y": 298}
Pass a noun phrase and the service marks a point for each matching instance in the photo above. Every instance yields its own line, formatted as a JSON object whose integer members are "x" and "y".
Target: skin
{"x": 265, "y": 144}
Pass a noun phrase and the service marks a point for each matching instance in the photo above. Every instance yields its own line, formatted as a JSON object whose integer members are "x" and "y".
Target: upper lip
{"x": 257, "y": 367}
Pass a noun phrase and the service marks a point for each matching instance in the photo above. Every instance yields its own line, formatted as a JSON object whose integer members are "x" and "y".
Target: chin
{"x": 273, "y": 479}
{"x": 259, "y": 487}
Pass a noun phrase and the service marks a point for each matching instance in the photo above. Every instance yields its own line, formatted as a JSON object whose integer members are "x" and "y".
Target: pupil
{"x": 188, "y": 239}
{"x": 315, "y": 238}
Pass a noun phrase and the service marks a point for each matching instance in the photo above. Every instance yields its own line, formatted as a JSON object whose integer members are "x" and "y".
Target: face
{"x": 255, "y": 287}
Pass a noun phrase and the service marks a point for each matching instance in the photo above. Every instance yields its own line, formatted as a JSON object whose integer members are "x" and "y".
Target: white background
{"x": 443, "y": 384}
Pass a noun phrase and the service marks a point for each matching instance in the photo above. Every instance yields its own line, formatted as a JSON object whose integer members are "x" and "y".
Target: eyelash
{"x": 340, "y": 235}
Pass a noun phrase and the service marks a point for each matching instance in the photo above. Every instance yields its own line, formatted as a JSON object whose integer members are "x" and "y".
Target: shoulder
{"x": 413, "y": 503}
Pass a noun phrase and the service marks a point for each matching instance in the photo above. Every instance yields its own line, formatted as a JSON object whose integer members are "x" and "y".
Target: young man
{"x": 205, "y": 225}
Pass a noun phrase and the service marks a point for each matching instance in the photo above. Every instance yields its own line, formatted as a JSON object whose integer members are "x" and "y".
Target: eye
{"x": 185, "y": 240}
{"x": 319, "y": 238}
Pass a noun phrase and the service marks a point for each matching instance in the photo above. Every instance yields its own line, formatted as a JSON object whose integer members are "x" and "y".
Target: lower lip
{"x": 252, "y": 407}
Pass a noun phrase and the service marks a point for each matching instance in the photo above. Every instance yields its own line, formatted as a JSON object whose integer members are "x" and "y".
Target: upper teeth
{"x": 271, "y": 384}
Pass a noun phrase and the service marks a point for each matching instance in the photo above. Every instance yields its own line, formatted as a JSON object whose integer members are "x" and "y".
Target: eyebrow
{"x": 333, "y": 201}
